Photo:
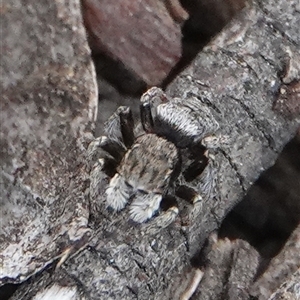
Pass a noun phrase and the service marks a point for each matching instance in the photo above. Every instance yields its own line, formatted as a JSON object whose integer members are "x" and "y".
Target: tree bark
{"x": 46, "y": 121}
{"x": 48, "y": 107}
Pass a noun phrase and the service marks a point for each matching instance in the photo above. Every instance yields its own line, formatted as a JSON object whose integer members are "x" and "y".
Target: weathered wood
{"x": 289, "y": 290}
{"x": 48, "y": 105}
{"x": 280, "y": 270}
{"x": 140, "y": 34}
{"x": 229, "y": 272}
{"x": 235, "y": 78}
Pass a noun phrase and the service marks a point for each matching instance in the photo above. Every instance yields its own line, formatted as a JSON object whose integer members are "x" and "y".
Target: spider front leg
{"x": 144, "y": 205}
{"x": 117, "y": 193}
{"x": 115, "y": 189}
{"x": 189, "y": 194}
{"x": 120, "y": 136}
{"x": 120, "y": 126}
{"x": 166, "y": 216}
{"x": 108, "y": 151}
{"x": 98, "y": 183}
{"x": 198, "y": 183}
{"x": 162, "y": 221}
{"x": 148, "y": 107}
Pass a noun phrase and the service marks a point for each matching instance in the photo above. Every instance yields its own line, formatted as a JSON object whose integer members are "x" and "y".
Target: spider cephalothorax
{"x": 161, "y": 161}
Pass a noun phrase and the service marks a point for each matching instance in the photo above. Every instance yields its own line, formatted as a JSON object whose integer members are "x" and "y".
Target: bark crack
{"x": 205, "y": 101}
{"x": 234, "y": 167}
{"x": 257, "y": 123}
{"x": 238, "y": 59}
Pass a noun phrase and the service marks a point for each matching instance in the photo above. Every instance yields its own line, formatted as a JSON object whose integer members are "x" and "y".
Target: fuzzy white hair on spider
{"x": 163, "y": 161}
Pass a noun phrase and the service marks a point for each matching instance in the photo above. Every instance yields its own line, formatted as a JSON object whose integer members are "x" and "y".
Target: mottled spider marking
{"x": 160, "y": 163}
{"x": 184, "y": 123}
{"x": 153, "y": 150}
{"x": 145, "y": 184}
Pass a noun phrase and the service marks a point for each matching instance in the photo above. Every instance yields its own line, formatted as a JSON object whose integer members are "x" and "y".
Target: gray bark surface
{"x": 289, "y": 290}
{"x": 282, "y": 273}
{"x": 235, "y": 76}
{"x": 46, "y": 119}
{"x": 48, "y": 105}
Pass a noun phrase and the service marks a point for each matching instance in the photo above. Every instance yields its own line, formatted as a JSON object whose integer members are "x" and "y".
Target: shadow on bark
{"x": 270, "y": 211}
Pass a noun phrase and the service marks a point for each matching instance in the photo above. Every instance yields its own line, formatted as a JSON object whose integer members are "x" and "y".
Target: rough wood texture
{"x": 289, "y": 290}
{"x": 48, "y": 101}
{"x": 140, "y": 34}
{"x": 235, "y": 78}
{"x": 280, "y": 270}
{"x": 229, "y": 272}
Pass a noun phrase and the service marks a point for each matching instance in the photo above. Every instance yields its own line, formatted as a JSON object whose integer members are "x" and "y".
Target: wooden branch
{"x": 235, "y": 76}
{"x": 44, "y": 129}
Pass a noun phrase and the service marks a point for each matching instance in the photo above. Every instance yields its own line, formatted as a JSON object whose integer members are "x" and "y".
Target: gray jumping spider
{"x": 158, "y": 163}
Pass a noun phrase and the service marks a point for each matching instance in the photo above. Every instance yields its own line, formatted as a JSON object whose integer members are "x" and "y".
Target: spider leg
{"x": 144, "y": 205}
{"x": 102, "y": 186}
{"x": 103, "y": 176}
{"x": 127, "y": 126}
{"x": 188, "y": 193}
{"x": 98, "y": 179}
{"x": 146, "y": 117}
{"x": 148, "y": 107}
{"x": 201, "y": 173}
{"x": 192, "y": 196}
{"x": 107, "y": 148}
{"x": 200, "y": 188}
{"x": 216, "y": 141}
{"x": 207, "y": 181}
{"x": 120, "y": 126}
{"x": 162, "y": 221}
{"x": 195, "y": 168}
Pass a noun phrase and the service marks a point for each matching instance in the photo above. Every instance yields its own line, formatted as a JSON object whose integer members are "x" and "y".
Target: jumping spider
{"x": 159, "y": 162}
